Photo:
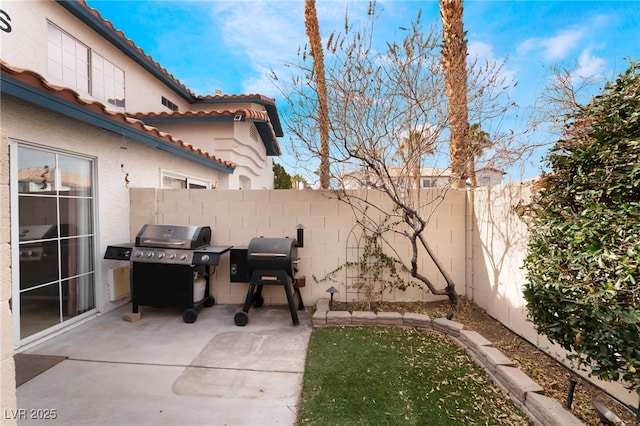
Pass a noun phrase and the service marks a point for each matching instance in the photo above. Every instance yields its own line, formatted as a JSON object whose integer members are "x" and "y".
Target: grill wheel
{"x": 241, "y": 318}
{"x": 190, "y": 316}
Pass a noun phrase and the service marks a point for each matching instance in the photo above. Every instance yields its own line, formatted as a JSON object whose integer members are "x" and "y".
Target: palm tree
{"x": 454, "y": 63}
{"x": 478, "y": 142}
{"x": 299, "y": 182}
{"x": 315, "y": 44}
{"x": 410, "y": 152}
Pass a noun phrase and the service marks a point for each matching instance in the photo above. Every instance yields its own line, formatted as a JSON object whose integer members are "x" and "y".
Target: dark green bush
{"x": 583, "y": 260}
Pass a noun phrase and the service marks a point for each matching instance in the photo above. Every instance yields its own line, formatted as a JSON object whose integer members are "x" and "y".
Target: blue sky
{"x": 232, "y": 45}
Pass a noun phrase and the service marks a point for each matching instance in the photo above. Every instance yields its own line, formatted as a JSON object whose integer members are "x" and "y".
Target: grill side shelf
{"x": 119, "y": 252}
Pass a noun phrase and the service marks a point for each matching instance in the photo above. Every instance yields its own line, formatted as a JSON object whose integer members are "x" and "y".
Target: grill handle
{"x": 166, "y": 243}
{"x": 269, "y": 254}
{"x": 296, "y": 261}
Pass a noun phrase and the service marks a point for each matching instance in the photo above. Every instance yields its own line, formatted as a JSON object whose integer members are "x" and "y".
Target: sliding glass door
{"x": 55, "y": 244}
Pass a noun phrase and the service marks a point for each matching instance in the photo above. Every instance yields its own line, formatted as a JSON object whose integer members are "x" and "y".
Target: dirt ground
{"x": 544, "y": 370}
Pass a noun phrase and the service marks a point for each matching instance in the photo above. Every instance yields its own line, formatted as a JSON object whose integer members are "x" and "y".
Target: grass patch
{"x": 388, "y": 376}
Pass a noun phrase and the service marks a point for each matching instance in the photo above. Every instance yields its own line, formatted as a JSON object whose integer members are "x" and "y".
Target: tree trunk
{"x": 315, "y": 43}
{"x": 454, "y": 63}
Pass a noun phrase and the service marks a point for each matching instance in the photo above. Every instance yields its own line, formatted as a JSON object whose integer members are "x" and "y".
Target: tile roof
{"x": 246, "y": 114}
{"x": 43, "y": 175}
{"x": 260, "y": 118}
{"x": 36, "y": 81}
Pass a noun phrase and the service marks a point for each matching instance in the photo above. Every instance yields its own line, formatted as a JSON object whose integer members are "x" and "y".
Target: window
{"x": 82, "y": 69}
{"x": 107, "y": 81}
{"x": 172, "y": 180}
{"x": 428, "y": 183}
{"x": 68, "y": 59}
{"x": 166, "y": 102}
{"x": 56, "y": 241}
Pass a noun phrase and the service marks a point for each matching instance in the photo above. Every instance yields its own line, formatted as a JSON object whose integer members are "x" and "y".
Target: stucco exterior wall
{"x": 26, "y": 47}
{"x": 498, "y": 243}
{"x": 229, "y": 141}
{"x": 29, "y": 34}
{"x": 118, "y": 156}
{"x": 7, "y": 367}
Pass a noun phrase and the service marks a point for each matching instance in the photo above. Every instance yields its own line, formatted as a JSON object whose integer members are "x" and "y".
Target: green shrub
{"x": 583, "y": 260}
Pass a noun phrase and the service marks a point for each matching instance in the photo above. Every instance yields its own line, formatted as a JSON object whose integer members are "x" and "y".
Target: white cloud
{"x": 263, "y": 33}
{"x": 553, "y": 48}
{"x": 269, "y": 34}
{"x": 480, "y": 49}
{"x": 589, "y": 66}
{"x": 261, "y": 83}
{"x": 484, "y": 52}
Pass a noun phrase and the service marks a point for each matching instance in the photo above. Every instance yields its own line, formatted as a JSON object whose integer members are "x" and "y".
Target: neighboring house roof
{"x": 364, "y": 177}
{"x": 32, "y": 87}
{"x": 105, "y": 28}
{"x": 397, "y": 171}
{"x": 42, "y": 176}
{"x": 426, "y": 172}
{"x": 259, "y": 118}
{"x": 491, "y": 169}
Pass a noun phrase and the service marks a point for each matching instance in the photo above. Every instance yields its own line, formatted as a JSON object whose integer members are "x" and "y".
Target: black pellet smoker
{"x": 268, "y": 261}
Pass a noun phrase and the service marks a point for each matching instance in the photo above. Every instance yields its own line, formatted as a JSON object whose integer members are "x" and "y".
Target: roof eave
{"x": 270, "y": 143}
{"x": 270, "y": 106}
{"x": 26, "y": 92}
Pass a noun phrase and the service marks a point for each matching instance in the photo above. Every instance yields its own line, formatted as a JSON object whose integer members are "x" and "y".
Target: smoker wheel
{"x": 258, "y": 302}
{"x": 209, "y": 302}
{"x": 189, "y": 316}
{"x": 241, "y": 318}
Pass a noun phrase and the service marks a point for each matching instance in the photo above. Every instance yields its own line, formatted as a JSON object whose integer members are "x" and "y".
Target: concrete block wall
{"x": 497, "y": 246}
{"x": 8, "y": 402}
{"x": 330, "y": 234}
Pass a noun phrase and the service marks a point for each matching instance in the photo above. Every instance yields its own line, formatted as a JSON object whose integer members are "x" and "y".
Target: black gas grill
{"x": 271, "y": 261}
{"x": 169, "y": 263}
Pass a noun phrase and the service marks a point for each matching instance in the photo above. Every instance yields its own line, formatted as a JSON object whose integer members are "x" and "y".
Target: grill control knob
{"x": 138, "y": 254}
{"x": 172, "y": 256}
{"x": 150, "y": 255}
{"x": 205, "y": 258}
{"x": 183, "y": 257}
{"x": 160, "y": 255}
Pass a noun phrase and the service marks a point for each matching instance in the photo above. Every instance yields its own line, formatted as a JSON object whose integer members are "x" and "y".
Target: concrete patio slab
{"x": 161, "y": 371}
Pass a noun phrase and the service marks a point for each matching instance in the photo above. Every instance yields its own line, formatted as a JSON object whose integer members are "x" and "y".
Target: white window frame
{"x": 191, "y": 182}
{"x": 68, "y": 59}
{"x": 14, "y": 144}
{"x": 107, "y": 81}
{"x": 428, "y": 183}
{"x": 94, "y": 74}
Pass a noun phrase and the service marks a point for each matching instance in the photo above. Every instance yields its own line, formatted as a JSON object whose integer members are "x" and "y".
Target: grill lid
{"x": 272, "y": 254}
{"x": 173, "y": 236}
